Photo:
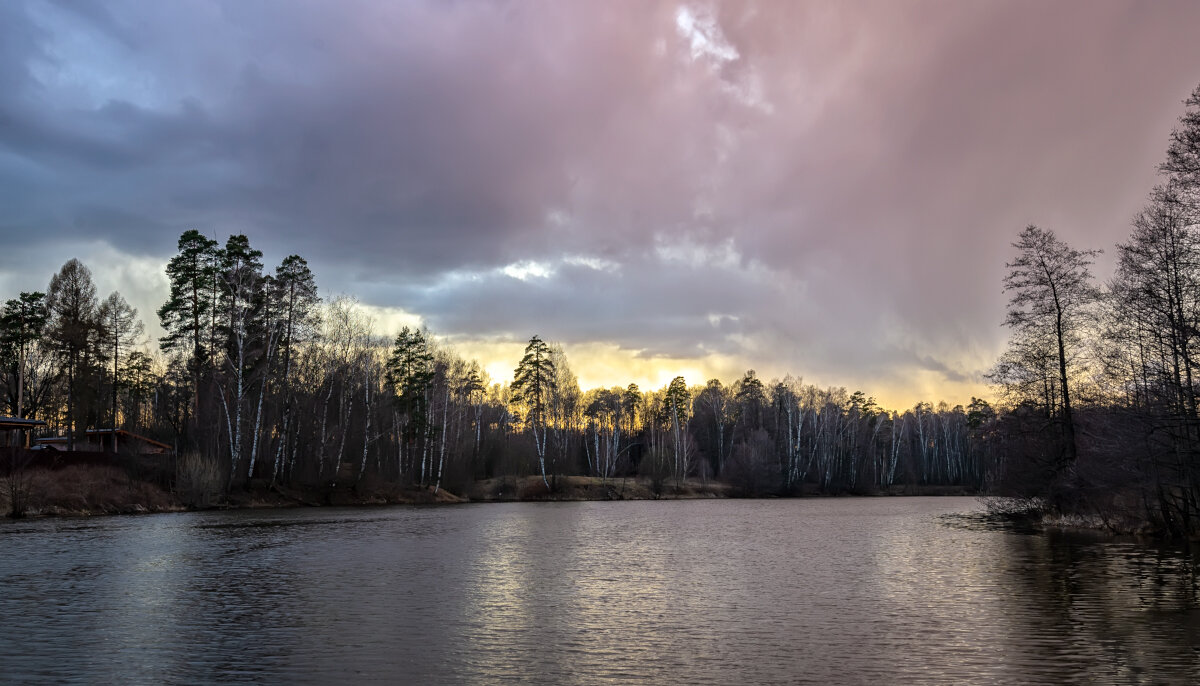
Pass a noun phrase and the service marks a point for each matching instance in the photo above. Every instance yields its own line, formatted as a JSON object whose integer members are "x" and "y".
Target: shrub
{"x": 197, "y": 480}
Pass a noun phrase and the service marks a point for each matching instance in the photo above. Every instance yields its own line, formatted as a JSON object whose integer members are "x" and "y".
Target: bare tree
{"x": 121, "y": 329}
{"x": 71, "y": 301}
{"x": 1052, "y": 291}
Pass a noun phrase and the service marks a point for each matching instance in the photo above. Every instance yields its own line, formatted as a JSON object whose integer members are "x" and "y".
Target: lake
{"x": 845, "y": 590}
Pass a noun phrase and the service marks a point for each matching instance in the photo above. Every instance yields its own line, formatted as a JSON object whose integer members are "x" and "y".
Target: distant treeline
{"x": 261, "y": 378}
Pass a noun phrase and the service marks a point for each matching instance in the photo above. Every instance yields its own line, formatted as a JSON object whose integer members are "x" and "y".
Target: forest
{"x": 259, "y": 381}
{"x": 264, "y": 381}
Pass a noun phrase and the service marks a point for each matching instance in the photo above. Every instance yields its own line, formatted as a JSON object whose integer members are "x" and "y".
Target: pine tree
{"x": 410, "y": 371}
{"x": 293, "y": 292}
{"x": 533, "y": 381}
{"x": 187, "y": 315}
{"x": 21, "y": 326}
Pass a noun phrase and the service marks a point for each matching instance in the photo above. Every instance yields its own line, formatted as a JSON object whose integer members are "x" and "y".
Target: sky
{"x": 829, "y": 190}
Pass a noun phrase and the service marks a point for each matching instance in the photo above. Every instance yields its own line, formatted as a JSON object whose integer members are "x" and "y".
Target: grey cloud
{"x": 645, "y": 307}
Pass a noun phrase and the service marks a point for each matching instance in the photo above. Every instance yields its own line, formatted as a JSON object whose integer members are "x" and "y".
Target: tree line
{"x": 264, "y": 380}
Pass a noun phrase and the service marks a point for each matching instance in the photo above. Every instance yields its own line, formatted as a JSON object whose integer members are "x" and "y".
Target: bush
{"x": 750, "y": 471}
{"x": 656, "y": 466}
{"x": 197, "y": 480}
{"x": 17, "y": 485}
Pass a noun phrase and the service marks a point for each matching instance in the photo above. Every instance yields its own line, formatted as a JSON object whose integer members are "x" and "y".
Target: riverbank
{"x": 1034, "y": 515}
{"x": 569, "y": 488}
{"x": 85, "y": 490}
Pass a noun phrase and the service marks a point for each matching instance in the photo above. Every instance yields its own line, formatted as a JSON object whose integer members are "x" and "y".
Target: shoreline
{"x": 86, "y": 491}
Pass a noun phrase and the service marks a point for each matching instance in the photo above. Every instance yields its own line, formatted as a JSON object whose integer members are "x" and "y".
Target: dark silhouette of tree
{"x": 411, "y": 372}
{"x": 188, "y": 315}
{"x": 1052, "y": 290}
{"x": 750, "y": 397}
{"x": 715, "y": 401}
{"x": 292, "y": 296}
{"x": 532, "y": 386}
{"x": 677, "y": 402}
{"x": 22, "y": 324}
{"x": 121, "y": 329}
{"x": 1182, "y": 166}
{"x": 71, "y": 302}
{"x": 241, "y": 327}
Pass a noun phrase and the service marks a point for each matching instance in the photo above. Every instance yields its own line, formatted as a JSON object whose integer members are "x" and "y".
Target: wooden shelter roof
{"x": 9, "y": 423}
{"x": 128, "y": 434}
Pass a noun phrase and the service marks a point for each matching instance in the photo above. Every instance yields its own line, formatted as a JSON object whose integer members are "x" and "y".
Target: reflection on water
{"x": 899, "y": 590}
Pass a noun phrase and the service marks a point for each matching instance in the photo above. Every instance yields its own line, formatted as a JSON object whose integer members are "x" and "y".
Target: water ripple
{"x": 900, "y": 590}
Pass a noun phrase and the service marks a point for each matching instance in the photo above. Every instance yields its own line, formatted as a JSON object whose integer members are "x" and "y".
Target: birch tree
{"x": 241, "y": 282}
{"x": 294, "y": 292}
{"x": 564, "y": 407}
{"x": 715, "y": 399}
{"x": 410, "y": 372}
{"x": 678, "y": 404}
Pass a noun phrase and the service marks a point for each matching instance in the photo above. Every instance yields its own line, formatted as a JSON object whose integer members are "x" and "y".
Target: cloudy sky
{"x": 827, "y": 189}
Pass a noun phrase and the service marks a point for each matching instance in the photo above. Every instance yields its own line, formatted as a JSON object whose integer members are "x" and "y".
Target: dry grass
{"x": 262, "y": 494}
{"x": 88, "y": 490}
{"x": 590, "y": 488}
{"x": 198, "y": 480}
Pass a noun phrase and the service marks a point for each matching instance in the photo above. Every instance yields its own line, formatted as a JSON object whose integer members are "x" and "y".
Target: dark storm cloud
{"x": 658, "y": 309}
{"x": 828, "y": 188}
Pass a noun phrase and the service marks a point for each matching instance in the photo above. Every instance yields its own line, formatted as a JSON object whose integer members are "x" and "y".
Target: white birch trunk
{"x": 442, "y": 454}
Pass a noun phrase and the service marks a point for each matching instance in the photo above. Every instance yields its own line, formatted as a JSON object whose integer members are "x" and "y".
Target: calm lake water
{"x": 883, "y": 590}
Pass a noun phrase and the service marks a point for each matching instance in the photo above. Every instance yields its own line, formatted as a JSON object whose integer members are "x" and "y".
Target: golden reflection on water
{"x": 500, "y": 589}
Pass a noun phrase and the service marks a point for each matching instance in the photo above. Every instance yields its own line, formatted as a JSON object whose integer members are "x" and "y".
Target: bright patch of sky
{"x": 699, "y": 27}
{"x": 389, "y": 320}
{"x": 529, "y": 269}
{"x": 599, "y": 264}
{"x": 685, "y": 250}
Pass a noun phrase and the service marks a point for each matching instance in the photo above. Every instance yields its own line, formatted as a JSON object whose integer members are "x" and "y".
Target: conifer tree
{"x": 21, "y": 326}
{"x": 187, "y": 315}
{"x": 533, "y": 381}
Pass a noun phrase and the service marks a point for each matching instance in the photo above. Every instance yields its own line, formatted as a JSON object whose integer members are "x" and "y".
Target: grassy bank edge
{"x": 104, "y": 490}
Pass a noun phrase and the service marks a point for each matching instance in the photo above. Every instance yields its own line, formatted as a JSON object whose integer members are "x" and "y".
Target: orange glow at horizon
{"x": 606, "y": 365}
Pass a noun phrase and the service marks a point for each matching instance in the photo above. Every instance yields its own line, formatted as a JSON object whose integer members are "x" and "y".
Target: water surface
{"x": 851, "y": 590}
